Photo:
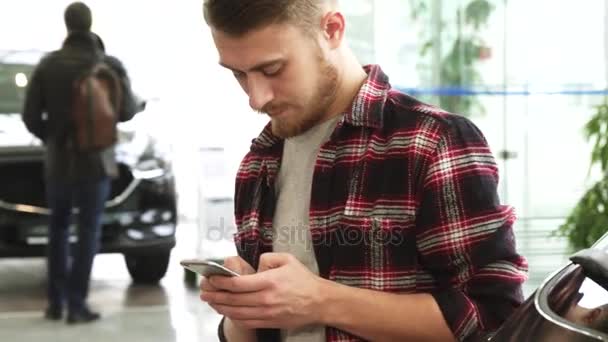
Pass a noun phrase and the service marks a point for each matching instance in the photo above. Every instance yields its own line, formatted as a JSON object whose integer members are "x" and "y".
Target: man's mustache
{"x": 272, "y": 108}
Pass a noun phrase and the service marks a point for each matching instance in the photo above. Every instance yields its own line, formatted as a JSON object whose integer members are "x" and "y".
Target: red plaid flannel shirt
{"x": 404, "y": 201}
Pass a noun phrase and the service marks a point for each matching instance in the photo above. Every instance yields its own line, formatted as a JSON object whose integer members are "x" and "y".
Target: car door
{"x": 570, "y": 305}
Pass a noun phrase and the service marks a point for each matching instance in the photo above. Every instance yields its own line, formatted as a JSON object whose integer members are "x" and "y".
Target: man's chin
{"x": 284, "y": 131}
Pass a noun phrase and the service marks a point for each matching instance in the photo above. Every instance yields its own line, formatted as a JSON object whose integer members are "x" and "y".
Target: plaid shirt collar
{"x": 366, "y": 110}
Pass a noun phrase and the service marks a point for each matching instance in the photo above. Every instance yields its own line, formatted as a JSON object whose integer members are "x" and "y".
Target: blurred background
{"x": 531, "y": 74}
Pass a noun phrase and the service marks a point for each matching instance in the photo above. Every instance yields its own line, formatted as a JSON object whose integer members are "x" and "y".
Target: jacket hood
{"x": 83, "y": 40}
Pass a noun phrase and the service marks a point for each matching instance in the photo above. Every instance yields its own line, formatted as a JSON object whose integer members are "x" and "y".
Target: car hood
{"x": 13, "y": 133}
{"x": 16, "y": 140}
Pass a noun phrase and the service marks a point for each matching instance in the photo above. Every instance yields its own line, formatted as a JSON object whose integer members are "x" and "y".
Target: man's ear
{"x": 333, "y": 25}
{"x": 592, "y": 316}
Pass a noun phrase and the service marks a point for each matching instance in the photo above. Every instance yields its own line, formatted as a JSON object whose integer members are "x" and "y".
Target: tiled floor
{"x": 170, "y": 311}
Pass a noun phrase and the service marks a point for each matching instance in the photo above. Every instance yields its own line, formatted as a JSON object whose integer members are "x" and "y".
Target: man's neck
{"x": 350, "y": 81}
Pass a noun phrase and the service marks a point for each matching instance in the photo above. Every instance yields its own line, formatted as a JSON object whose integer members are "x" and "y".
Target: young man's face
{"x": 285, "y": 74}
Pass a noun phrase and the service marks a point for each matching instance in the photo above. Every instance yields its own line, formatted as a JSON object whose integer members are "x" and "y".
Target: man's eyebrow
{"x": 257, "y": 67}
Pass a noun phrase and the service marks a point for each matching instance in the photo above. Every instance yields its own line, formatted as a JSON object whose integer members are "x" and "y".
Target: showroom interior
{"x": 531, "y": 74}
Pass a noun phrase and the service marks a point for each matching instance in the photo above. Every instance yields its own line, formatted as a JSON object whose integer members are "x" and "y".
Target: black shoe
{"x": 82, "y": 316}
{"x": 53, "y": 313}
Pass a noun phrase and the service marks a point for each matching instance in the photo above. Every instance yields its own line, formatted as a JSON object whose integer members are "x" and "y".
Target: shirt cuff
{"x": 220, "y": 331}
{"x": 458, "y": 311}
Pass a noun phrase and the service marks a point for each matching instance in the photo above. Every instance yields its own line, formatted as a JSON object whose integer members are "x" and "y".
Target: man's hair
{"x": 77, "y": 17}
{"x": 237, "y": 17}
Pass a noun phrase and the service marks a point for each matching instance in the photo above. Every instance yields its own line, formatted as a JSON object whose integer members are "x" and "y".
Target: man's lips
{"x": 277, "y": 113}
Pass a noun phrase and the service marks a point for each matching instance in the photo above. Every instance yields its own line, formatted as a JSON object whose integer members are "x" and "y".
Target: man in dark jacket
{"x": 73, "y": 178}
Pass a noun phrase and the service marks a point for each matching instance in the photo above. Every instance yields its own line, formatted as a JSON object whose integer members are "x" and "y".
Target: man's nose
{"x": 260, "y": 92}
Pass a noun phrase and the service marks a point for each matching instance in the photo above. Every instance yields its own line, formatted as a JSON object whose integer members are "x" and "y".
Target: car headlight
{"x": 147, "y": 157}
{"x": 148, "y": 169}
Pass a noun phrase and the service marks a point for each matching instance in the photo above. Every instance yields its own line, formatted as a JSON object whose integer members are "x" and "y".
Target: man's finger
{"x": 254, "y": 299}
{"x": 246, "y": 283}
{"x": 205, "y": 285}
{"x": 244, "y": 313}
{"x": 270, "y": 261}
{"x": 234, "y": 264}
{"x": 238, "y": 265}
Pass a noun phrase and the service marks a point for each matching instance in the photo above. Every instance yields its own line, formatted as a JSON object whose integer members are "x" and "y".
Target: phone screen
{"x": 207, "y": 268}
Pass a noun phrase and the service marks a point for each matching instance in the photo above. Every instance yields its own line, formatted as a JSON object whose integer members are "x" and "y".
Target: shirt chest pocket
{"x": 374, "y": 252}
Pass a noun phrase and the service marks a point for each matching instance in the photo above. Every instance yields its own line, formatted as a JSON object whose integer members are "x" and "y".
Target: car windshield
{"x": 15, "y": 70}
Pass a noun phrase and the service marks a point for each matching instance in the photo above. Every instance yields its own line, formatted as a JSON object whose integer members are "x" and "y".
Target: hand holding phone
{"x": 207, "y": 268}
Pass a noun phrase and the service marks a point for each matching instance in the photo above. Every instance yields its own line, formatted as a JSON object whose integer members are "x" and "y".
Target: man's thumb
{"x": 270, "y": 261}
{"x": 238, "y": 265}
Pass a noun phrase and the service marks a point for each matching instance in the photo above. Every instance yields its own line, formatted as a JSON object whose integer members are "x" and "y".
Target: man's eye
{"x": 272, "y": 71}
{"x": 238, "y": 74}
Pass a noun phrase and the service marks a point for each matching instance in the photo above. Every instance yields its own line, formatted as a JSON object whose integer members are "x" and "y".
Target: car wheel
{"x": 147, "y": 269}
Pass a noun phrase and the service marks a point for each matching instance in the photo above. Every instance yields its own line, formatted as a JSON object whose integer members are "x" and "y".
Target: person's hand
{"x": 283, "y": 294}
{"x": 232, "y": 330}
{"x": 236, "y": 264}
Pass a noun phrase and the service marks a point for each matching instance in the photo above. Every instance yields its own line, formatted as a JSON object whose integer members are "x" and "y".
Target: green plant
{"x": 588, "y": 221}
{"x": 457, "y": 67}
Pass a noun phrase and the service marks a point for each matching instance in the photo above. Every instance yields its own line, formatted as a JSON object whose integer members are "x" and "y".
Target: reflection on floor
{"x": 170, "y": 311}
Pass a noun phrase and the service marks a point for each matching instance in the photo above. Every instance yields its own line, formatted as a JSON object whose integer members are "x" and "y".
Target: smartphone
{"x": 207, "y": 268}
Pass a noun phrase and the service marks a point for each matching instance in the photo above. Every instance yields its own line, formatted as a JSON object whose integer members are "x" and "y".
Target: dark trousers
{"x": 68, "y": 281}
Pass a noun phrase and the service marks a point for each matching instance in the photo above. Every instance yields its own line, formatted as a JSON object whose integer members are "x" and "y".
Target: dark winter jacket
{"x": 47, "y": 105}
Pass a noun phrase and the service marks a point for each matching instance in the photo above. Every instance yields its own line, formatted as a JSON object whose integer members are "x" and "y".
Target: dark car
{"x": 140, "y": 217}
{"x": 570, "y": 305}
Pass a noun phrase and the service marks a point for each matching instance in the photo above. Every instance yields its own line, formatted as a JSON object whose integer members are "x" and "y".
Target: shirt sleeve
{"x": 131, "y": 103}
{"x": 34, "y": 105}
{"x": 220, "y": 331}
{"x": 464, "y": 236}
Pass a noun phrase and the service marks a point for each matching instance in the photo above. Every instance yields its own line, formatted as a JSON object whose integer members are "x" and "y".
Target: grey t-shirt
{"x": 291, "y": 218}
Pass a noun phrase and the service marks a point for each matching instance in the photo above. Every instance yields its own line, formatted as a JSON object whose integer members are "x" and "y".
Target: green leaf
{"x": 477, "y": 13}
{"x": 418, "y": 8}
{"x": 426, "y": 47}
{"x": 588, "y": 221}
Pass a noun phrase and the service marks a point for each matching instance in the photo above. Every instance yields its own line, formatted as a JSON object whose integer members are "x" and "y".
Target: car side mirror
{"x": 594, "y": 263}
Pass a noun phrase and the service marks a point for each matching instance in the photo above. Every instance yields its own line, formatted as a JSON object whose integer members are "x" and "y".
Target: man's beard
{"x": 315, "y": 111}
